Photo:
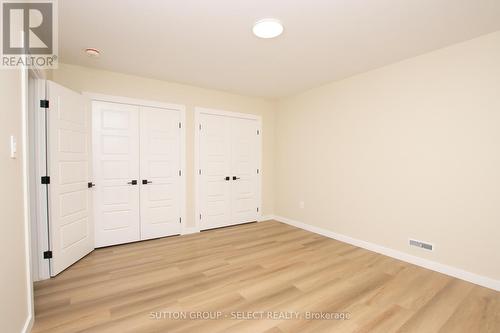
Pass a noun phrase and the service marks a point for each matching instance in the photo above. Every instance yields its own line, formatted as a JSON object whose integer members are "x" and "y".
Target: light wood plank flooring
{"x": 257, "y": 269}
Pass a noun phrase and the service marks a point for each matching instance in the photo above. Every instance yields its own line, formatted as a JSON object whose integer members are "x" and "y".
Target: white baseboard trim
{"x": 190, "y": 230}
{"x": 265, "y": 218}
{"x": 28, "y": 325}
{"x": 429, "y": 264}
{"x": 194, "y": 230}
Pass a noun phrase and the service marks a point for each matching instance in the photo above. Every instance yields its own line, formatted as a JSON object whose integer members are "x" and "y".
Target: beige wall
{"x": 13, "y": 275}
{"x": 409, "y": 150}
{"x": 104, "y": 82}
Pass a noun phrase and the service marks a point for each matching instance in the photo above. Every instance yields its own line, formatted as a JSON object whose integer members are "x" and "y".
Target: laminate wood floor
{"x": 259, "y": 277}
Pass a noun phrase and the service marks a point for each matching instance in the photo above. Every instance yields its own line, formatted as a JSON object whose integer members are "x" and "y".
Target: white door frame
{"x": 201, "y": 110}
{"x": 169, "y": 106}
{"x": 30, "y": 218}
{"x": 38, "y": 192}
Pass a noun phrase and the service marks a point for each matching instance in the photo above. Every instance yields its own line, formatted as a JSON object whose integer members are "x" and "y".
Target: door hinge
{"x": 44, "y": 103}
{"x": 257, "y": 209}
{"x": 258, "y": 132}
{"x": 199, "y": 171}
{"x": 47, "y": 255}
{"x": 199, "y": 126}
{"x": 258, "y": 171}
{"x": 200, "y": 216}
{"x": 180, "y": 219}
{"x": 45, "y": 180}
{"x": 180, "y": 173}
{"x": 180, "y": 126}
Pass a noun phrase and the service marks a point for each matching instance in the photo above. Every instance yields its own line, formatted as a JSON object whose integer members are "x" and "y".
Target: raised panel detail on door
{"x": 228, "y": 179}
{"x": 160, "y": 137}
{"x": 215, "y": 166}
{"x": 69, "y": 156}
{"x": 116, "y": 165}
{"x": 244, "y": 164}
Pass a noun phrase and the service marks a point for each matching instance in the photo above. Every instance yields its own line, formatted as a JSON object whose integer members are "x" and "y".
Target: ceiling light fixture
{"x": 267, "y": 28}
{"x": 91, "y": 52}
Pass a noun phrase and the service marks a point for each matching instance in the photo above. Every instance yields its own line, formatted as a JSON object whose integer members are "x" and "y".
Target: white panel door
{"x": 215, "y": 166}
{"x": 116, "y": 173}
{"x": 160, "y": 139}
{"x": 244, "y": 165}
{"x": 69, "y": 157}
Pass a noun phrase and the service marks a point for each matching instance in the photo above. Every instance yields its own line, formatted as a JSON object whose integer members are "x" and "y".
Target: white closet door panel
{"x": 116, "y": 164}
{"x": 160, "y": 179}
{"x": 215, "y": 164}
{"x": 244, "y": 164}
{"x": 69, "y": 156}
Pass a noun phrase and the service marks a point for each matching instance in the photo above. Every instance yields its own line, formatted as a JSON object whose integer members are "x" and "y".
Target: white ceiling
{"x": 209, "y": 43}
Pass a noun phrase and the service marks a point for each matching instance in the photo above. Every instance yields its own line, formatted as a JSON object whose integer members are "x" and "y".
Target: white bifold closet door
{"x": 244, "y": 166}
{"x": 229, "y": 155}
{"x": 116, "y": 173}
{"x": 160, "y": 172}
{"x": 136, "y": 171}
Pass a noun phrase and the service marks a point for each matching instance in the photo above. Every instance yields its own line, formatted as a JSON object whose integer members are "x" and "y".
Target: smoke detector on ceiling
{"x": 92, "y": 52}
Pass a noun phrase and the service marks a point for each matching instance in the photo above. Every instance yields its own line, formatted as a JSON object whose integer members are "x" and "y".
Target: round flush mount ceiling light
{"x": 92, "y": 52}
{"x": 267, "y": 28}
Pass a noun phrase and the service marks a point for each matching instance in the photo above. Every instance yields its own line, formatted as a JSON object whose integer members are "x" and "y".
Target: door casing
{"x": 38, "y": 192}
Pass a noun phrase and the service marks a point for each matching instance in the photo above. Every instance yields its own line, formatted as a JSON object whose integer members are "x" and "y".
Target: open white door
{"x": 69, "y": 165}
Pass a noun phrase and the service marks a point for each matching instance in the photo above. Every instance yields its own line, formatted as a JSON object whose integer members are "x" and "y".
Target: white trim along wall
{"x": 429, "y": 264}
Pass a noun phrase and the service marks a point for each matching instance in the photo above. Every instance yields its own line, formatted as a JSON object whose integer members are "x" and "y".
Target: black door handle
{"x": 228, "y": 178}
{"x": 90, "y": 185}
{"x": 145, "y": 182}
{"x": 236, "y": 178}
{"x": 133, "y": 182}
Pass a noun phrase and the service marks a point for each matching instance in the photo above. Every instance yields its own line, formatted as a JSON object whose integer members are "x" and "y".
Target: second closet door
{"x": 160, "y": 172}
{"x": 244, "y": 177}
{"x": 215, "y": 171}
{"x": 229, "y": 159}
